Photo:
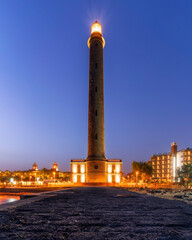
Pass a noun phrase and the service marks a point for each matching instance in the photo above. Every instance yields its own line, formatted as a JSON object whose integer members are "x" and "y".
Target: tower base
{"x": 96, "y": 171}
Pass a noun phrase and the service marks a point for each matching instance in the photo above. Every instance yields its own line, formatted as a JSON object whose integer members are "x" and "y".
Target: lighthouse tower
{"x": 96, "y": 161}
{"x": 96, "y": 169}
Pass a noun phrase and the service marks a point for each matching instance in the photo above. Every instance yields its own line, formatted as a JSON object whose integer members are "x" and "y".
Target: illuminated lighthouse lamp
{"x": 96, "y": 27}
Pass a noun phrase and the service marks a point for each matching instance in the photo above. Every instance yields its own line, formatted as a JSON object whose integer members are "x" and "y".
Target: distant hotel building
{"x": 165, "y": 165}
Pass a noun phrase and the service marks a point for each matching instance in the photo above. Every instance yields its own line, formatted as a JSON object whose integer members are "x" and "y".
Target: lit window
{"x": 109, "y": 178}
{"x": 188, "y": 158}
{"x": 83, "y": 178}
{"x": 189, "y": 153}
{"x": 75, "y": 178}
{"x": 117, "y": 178}
{"x": 117, "y": 168}
{"x": 82, "y": 168}
{"x": 109, "y": 168}
{"x": 74, "y": 168}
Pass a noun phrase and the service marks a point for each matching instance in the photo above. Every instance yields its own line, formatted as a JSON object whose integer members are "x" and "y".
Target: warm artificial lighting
{"x": 117, "y": 168}
{"x": 117, "y": 178}
{"x": 109, "y": 178}
{"x": 74, "y": 168}
{"x": 75, "y": 178}
{"x": 109, "y": 168}
{"x": 83, "y": 178}
{"x": 82, "y": 168}
{"x": 96, "y": 27}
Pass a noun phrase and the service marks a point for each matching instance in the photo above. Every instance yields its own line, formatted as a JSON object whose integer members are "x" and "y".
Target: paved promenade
{"x": 97, "y": 213}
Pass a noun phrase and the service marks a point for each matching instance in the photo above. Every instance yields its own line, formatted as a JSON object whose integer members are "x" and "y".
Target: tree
{"x": 185, "y": 175}
{"x": 144, "y": 170}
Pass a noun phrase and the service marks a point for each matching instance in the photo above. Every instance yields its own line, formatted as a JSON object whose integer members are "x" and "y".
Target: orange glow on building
{"x": 55, "y": 166}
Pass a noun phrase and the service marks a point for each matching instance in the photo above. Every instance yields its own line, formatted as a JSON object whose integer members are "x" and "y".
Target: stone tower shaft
{"x": 96, "y": 131}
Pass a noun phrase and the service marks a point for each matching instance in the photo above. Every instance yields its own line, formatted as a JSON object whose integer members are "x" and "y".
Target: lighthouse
{"x": 96, "y": 168}
{"x": 96, "y": 161}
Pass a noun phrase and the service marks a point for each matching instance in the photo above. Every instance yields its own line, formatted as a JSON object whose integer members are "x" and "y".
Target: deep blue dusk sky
{"x": 44, "y": 79}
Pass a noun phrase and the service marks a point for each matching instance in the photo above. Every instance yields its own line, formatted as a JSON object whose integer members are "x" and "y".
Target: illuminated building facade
{"x": 96, "y": 168}
{"x": 35, "y": 167}
{"x": 55, "y": 166}
{"x": 165, "y": 165}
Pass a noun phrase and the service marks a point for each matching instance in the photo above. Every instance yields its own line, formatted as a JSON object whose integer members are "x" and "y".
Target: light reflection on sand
{"x": 8, "y": 198}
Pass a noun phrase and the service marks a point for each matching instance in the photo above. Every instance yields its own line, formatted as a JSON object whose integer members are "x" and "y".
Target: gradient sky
{"x": 44, "y": 79}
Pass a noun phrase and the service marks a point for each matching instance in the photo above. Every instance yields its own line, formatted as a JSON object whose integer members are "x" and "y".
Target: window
{"x": 82, "y": 168}
{"x": 95, "y": 89}
{"x": 83, "y": 178}
{"x": 96, "y": 44}
{"x": 74, "y": 168}
{"x": 109, "y": 168}
{"x": 95, "y": 65}
{"x": 96, "y": 136}
{"x": 109, "y": 178}
{"x": 96, "y": 113}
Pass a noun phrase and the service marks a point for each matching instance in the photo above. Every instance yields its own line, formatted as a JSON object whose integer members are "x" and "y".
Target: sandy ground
{"x": 98, "y": 213}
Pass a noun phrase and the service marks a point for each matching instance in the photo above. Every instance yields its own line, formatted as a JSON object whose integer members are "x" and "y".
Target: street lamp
{"x": 137, "y": 177}
{"x": 54, "y": 176}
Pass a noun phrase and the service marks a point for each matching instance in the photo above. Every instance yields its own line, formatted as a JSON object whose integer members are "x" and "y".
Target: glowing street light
{"x": 137, "y": 176}
{"x": 54, "y": 176}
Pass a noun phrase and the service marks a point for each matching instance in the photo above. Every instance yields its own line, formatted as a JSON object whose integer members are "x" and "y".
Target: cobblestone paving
{"x": 98, "y": 213}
